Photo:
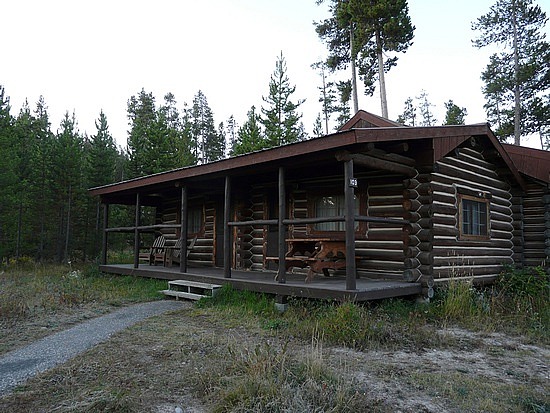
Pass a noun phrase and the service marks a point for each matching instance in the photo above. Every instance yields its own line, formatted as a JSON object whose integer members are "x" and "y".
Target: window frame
{"x": 484, "y": 199}
{"x": 313, "y": 195}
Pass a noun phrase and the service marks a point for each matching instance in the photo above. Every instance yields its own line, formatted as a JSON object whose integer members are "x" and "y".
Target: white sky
{"x": 91, "y": 55}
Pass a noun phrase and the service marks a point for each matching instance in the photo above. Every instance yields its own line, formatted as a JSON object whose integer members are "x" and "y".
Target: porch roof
{"x": 444, "y": 139}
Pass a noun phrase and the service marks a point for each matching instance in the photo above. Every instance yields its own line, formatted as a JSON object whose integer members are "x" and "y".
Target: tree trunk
{"x": 381, "y": 76}
{"x": 517, "y": 99}
{"x": 353, "y": 73}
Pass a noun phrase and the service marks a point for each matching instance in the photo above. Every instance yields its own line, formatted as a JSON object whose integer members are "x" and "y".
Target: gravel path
{"x": 21, "y": 364}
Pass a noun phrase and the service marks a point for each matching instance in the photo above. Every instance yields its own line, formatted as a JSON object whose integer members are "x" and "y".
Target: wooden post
{"x": 350, "y": 225}
{"x": 281, "y": 273}
{"x": 183, "y": 230}
{"x": 136, "y": 231}
{"x": 228, "y": 230}
{"x": 104, "y": 240}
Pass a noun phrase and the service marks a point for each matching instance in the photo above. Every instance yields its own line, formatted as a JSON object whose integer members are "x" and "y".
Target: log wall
{"x": 455, "y": 257}
{"x": 203, "y": 251}
{"x": 536, "y": 225}
{"x": 381, "y": 248}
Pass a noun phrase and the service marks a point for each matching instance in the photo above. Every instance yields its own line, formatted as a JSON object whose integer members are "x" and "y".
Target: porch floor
{"x": 263, "y": 281}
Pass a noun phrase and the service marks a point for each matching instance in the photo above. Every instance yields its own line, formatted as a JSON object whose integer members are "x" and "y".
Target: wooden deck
{"x": 320, "y": 288}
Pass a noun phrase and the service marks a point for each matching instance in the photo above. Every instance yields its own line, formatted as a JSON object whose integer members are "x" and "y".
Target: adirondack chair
{"x": 157, "y": 248}
{"x": 173, "y": 256}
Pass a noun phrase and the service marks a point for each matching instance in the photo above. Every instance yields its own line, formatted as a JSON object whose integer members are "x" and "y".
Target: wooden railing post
{"x": 281, "y": 272}
{"x": 228, "y": 230}
{"x": 350, "y": 184}
{"x": 183, "y": 230}
{"x": 104, "y": 235}
{"x": 136, "y": 231}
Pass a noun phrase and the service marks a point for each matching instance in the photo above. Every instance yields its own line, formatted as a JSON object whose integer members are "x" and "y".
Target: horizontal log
{"x": 411, "y": 263}
{"x": 253, "y": 222}
{"x": 502, "y": 226}
{"x": 425, "y": 257}
{"x": 380, "y": 254}
{"x": 444, "y": 209}
{"x": 444, "y": 220}
{"x": 412, "y": 274}
{"x": 485, "y": 170}
{"x": 411, "y": 252}
{"x": 440, "y": 230}
{"x": 466, "y": 271}
{"x": 452, "y": 242}
{"x": 411, "y": 204}
{"x": 469, "y": 261}
{"x": 450, "y": 180}
{"x": 376, "y": 163}
{"x": 411, "y": 216}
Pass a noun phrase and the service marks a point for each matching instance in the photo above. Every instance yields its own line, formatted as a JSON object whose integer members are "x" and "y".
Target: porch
{"x": 320, "y": 287}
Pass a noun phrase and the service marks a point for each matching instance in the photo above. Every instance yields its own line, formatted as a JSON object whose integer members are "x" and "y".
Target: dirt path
{"x": 46, "y": 353}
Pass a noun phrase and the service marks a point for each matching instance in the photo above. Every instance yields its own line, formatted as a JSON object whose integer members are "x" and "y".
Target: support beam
{"x": 136, "y": 231}
{"x": 351, "y": 272}
{"x": 183, "y": 230}
{"x": 104, "y": 244}
{"x": 228, "y": 230}
{"x": 281, "y": 272}
{"x": 377, "y": 163}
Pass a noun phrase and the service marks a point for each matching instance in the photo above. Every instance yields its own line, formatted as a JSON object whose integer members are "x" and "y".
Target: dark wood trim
{"x": 136, "y": 230}
{"x": 281, "y": 273}
{"x": 183, "y": 230}
{"x": 228, "y": 230}
{"x": 351, "y": 272}
{"x": 104, "y": 235}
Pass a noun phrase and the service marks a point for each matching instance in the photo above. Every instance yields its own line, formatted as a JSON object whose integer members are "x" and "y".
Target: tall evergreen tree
{"x": 209, "y": 145}
{"x": 281, "y": 119}
{"x": 66, "y": 182}
{"x": 8, "y": 176}
{"x": 361, "y": 32}
{"x": 408, "y": 117}
{"x": 250, "y": 137}
{"x": 454, "y": 115}
{"x": 518, "y": 76}
{"x": 344, "y": 89}
{"x": 327, "y": 95}
{"x": 428, "y": 118}
{"x": 142, "y": 121}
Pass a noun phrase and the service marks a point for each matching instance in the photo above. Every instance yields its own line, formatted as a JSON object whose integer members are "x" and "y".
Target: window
{"x": 331, "y": 206}
{"x": 474, "y": 217}
{"x": 194, "y": 220}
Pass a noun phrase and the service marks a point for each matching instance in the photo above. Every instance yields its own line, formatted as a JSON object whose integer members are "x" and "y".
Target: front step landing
{"x": 191, "y": 290}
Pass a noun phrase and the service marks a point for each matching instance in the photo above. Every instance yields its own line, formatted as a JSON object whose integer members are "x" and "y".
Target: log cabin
{"x": 375, "y": 210}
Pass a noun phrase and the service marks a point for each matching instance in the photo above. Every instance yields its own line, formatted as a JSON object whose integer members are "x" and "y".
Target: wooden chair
{"x": 173, "y": 255}
{"x": 156, "y": 249}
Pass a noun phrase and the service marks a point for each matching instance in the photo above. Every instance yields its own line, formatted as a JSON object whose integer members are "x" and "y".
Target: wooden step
{"x": 191, "y": 290}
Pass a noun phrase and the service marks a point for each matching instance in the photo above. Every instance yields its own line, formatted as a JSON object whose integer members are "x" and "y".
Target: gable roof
{"x": 529, "y": 161}
{"x": 363, "y": 119}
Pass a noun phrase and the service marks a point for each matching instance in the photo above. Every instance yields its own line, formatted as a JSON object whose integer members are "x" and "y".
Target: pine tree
{"x": 280, "y": 117}
{"x": 361, "y": 32}
{"x": 250, "y": 137}
{"x": 142, "y": 121}
{"x": 408, "y": 117}
{"x": 327, "y": 95}
{"x": 518, "y": 76}
{"x": 318, "y": 127}
{"x": 8, "y": 177}
{"x": 428, "y": 118}
{"x": 343, "y": 109}
{"x": 455, "y": 115}
{"x": 66, "y": 182}
{"x": 102, "y": 154}
{"x": 210, "y": 146}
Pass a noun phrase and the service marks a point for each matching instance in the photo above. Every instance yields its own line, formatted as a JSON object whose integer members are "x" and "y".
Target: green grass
{"x": 33, "y": 289}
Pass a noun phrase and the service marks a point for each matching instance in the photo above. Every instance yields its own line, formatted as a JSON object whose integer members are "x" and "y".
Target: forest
{"x": 46, "y": 213}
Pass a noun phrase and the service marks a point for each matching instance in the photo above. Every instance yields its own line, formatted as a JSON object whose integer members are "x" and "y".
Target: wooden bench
{"x": 191, "y": 290}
